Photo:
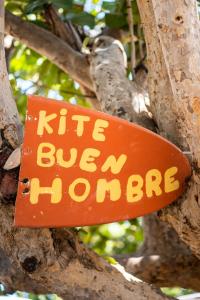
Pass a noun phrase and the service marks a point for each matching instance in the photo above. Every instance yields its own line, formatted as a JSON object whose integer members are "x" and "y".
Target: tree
{"x": 54, "y": 260}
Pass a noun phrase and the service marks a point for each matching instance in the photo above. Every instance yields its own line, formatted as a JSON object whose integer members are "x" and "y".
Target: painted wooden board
{"x": 83, "y": 167}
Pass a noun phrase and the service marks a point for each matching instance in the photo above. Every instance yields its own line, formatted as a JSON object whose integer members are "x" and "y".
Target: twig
{"x": 140, "y": 42}
{"x": 131, "y": 29}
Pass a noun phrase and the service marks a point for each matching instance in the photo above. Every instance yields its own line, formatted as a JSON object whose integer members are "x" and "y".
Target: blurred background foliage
{"x": 115, "y": 238}
{"x": 30, "y": 73}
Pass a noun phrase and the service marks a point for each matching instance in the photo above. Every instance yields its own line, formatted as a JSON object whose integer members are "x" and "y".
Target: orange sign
{"x": 83, "y": 167}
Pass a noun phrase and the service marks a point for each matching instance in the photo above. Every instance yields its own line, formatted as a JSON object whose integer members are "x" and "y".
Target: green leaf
{"x": 121, "y": 6}
{"x": 14, "y": 7}
{"x": 115, "y": 20}
{"x": 111, "y": 6}
{"x": 135, "y": 12}
{"x": 66, "y": 4}
{"x": 82, "y": 19}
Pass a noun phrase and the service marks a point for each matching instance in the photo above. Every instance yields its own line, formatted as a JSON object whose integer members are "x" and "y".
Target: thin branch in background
{"x": 38, "y": 85}
{"x": 140, "y": 42}
{"x": 66, "y": 31}
{"x": 131, "y": 29}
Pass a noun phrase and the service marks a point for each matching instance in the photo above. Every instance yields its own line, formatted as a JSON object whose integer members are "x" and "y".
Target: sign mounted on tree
{"x": 82, "y": 167}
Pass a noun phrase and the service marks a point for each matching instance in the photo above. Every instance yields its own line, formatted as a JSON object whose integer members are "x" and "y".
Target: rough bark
{"x": 117, "y": 95}
{"x": 10, "y": 126}
{"x": 172, "y": 33}
{"x": 54, "y": 261}
{"x": 9, "y": 120}
{"x": 163, "y": 259}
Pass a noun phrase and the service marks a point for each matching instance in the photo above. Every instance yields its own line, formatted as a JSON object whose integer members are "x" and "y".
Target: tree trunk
{"x": 172, "y": 34}
{"x": 9, "y": 118}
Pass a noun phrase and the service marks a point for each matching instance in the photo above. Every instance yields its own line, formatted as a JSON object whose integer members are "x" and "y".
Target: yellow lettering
{"x": 153, "y": 181}
{"x": 62, "y": 122}
{"x": 70, "y": 162}
{"x": 55, "y": 190}
{"x": 134, "y": 193}
{"x": 170, "y": 183}
{"x": 43, "y": 122}
{"x": 114, "y": 164}
{"x": 99, "y": 130}
{"x": 73, "y": 195}
{"x": 113, "y": 187}
{"x": 87, "y": 158}
{"x": 45, "y": 159}
{"x": 80, "y": 123}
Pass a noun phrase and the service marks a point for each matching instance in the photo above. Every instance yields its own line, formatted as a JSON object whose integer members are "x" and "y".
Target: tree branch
{"x": 54, "y": 261}
{"x": 163, "y": 259}
{"x": 10, "y": 125}
{"x": 65, "y": 31}
{"x": 175, "y": 271}
{"x": 117, "y": 95}
{"x": 131, "y": 29}
{"x": 68, "y": 33}
{"x": 55, "y": 49}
